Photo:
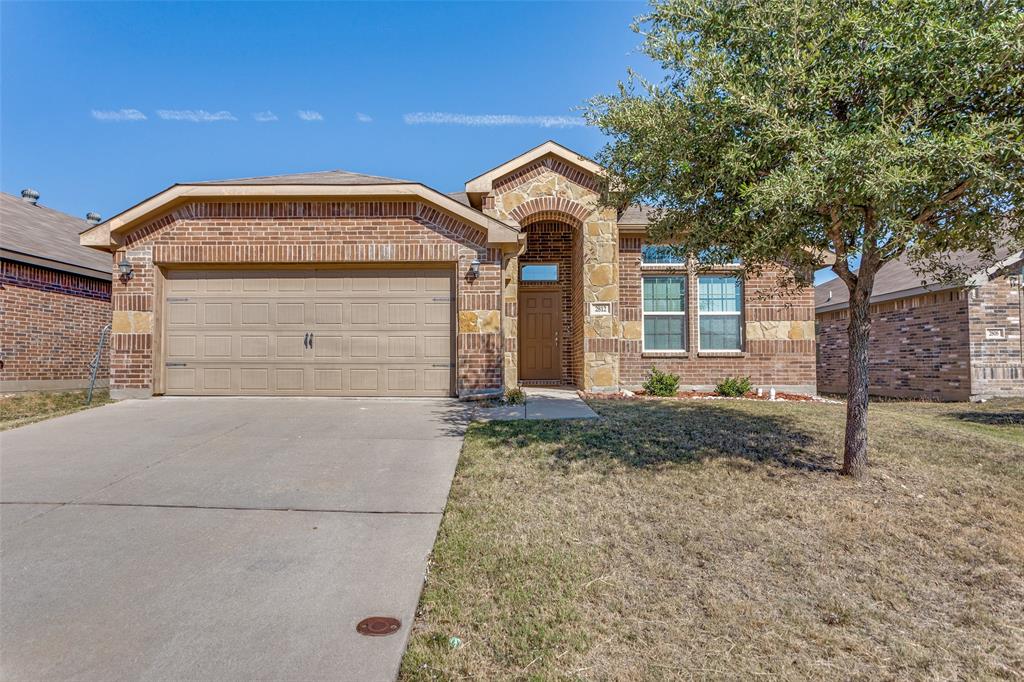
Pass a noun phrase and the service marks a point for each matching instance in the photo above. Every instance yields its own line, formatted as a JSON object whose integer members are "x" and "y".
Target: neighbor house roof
{"x": 333, "y": 184}
{"x": 38, "y": 235}
{"x": 897, "y": 279}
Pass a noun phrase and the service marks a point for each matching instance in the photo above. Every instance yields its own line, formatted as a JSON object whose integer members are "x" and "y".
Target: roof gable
{"x": 485, "y": 182}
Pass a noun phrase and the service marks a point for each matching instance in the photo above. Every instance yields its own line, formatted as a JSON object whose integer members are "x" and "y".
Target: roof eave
{"x": 106, "y": 235}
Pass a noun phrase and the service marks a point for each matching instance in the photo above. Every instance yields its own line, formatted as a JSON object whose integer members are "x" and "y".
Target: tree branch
{"x": 944, "y": 198}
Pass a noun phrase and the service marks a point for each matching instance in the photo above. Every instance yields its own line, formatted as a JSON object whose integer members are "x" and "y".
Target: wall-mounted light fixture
{"x": 474, "y": 269}
{"x": 125, "y": 267}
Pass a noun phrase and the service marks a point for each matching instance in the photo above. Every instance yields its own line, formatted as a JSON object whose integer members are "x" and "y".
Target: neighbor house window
{"x": 665, "y": 313}
{"x": 539, "y": 272}
{"x": 659, "y": 254}
{"x": 720, "y": 302}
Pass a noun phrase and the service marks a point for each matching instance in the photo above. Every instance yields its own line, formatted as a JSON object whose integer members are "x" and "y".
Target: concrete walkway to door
{"x": 561, "y": 402}
{"x": 220, "y": 538}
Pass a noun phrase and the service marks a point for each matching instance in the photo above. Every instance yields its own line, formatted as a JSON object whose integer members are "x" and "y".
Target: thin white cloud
{"x": 310, "y": 115}
{"x": 265, "y": 116}
{"x": 445, "y": 118}
{"x": 118, "y": 115}
{"x": 364, "y": 118}
{"x": 195, "y": 115}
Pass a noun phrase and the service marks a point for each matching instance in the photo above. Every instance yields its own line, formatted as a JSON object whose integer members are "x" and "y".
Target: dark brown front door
{"x": 540, "y": 329}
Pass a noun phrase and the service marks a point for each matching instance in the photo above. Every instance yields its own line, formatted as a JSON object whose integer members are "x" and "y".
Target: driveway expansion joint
{"x": 229, "y": 508}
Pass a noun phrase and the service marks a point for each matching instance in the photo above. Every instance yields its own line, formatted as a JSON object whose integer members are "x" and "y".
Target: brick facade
{"x": 918, "y": 348}
{"x": 553, "y": 197}
{"x": 778, "y": 331}
{"x": 996, "y": 344}
{"x": 933, "y": 346}
{"x": 288, "y": 232}
{"x": 50, "y": 325}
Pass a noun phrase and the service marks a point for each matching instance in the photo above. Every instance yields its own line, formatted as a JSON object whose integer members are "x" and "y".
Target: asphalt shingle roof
{"x": 45, "y": 233}
{"x": 329, "y": 177}
{"x": 898, "y": 276}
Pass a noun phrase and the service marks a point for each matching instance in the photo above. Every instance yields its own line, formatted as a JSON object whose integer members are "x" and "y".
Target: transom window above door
{"x": 664, "y": 314}
{"x": 539, "y": 272}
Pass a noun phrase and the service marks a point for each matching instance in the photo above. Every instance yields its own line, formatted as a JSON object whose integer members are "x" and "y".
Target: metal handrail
{"x": 94, "y": 366}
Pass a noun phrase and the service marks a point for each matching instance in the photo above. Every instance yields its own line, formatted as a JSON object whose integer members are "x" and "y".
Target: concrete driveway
{"x": 219, "y": 538}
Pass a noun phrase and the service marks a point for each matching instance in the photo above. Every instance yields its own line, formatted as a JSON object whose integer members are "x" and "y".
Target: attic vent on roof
{"x": 829, "y": 295}
{"x": 30, "y": 195}
{"x": 93, "y": 217}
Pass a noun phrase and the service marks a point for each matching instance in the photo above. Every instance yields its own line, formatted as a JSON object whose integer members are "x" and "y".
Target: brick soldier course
{"x": 541, "y": 207}
{"x": 54, "y": 299}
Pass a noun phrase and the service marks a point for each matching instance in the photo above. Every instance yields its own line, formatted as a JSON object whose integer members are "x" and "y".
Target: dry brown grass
{"x": 25, "y": 408}
{"x": 715, "y": 540}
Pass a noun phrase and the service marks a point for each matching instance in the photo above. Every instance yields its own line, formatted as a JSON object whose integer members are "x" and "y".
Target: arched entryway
{"x": 551, "y": 301}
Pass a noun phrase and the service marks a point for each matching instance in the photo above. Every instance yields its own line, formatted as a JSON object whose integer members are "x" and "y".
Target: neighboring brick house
{"x": 931, "y": 340}
{"x": 54, "y": 298}
{"x": 337, "y": 283}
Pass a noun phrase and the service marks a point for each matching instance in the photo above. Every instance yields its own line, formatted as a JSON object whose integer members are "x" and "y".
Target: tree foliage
{"x": 788, "y": 127}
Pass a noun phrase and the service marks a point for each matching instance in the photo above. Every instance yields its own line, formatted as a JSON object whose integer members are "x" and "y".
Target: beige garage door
{"x": 309, "y": 332}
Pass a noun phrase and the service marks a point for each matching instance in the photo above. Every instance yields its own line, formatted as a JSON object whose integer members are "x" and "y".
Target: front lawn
{"x": 20, "y": 409}
{"x": 700, "y": 539}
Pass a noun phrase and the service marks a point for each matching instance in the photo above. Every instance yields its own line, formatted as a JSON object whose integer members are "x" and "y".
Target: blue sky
{"x": 104, "y": 104}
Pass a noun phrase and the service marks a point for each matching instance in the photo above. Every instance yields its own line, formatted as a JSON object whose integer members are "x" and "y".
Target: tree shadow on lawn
{"x": 1014, "y": 418}
{"x": 649, "y": 435}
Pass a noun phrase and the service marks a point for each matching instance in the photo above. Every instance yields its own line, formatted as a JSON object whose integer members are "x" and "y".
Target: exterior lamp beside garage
{"x": 474, "y": 269}
{"x": 125, "y": 267}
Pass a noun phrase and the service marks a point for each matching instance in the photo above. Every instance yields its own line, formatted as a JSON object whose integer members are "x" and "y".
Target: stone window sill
{"x": 724, "y": 354}
{"x": 665, "y": 355}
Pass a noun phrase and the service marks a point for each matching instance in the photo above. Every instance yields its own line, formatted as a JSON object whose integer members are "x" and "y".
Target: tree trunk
{"x": 855, "y": 451}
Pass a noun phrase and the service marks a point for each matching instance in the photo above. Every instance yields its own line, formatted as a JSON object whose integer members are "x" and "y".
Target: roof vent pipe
{"x": 93, "y": 217}
{"x": 30, "y": 195}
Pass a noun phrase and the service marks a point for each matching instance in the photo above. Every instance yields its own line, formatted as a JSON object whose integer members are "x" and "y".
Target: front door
{"x": 540, "y": 329}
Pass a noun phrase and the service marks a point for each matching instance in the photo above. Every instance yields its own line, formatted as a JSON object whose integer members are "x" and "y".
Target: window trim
{"x": 684, "y": 313}
{"x": 730, "y": 313}
{"x": 554, "y": 265}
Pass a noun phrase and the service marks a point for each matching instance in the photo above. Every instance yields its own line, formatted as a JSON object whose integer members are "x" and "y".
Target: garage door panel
{"x": 374, "y": 332}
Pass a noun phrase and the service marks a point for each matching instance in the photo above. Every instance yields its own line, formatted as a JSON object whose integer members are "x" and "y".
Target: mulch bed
{"x": 702, "y": 395}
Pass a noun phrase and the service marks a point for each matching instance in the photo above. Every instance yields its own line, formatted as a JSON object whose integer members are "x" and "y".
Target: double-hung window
{"x": 720, "y": 304}
{"x": 665, "y": 313}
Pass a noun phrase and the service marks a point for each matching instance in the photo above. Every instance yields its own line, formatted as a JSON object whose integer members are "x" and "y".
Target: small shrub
{"x": 734, "y": 387}
{"x": 661, "y": 383}
{"x": 515, "y": 396}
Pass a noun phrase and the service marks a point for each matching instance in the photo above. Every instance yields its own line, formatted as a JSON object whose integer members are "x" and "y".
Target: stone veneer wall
{"x": 549, "y": 189}
{"x": 282, "y": 232}
{"x": 997, "y": 364}
{"x": 778, "y": 331}
{"x": 551, "y": 241}
{"x": 919, "y": 348}
{"x": 50, "y": 323}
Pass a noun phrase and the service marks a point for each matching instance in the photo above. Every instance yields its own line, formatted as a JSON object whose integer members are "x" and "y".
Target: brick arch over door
{"x": 556, "y": 208}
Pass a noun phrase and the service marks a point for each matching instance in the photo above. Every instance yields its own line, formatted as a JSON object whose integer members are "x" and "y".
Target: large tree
{"x": 788, "y": 129}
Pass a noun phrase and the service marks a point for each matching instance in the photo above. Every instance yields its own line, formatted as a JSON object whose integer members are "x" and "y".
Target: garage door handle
{"x": 311, "y": 339}
{"x": 305, "y": 340}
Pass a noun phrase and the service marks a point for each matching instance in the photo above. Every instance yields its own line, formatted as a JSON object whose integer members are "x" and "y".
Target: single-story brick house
{"x": 931, "y": 340}
{"x": 338, "y": 283}
{"x": 54, "y": 298}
